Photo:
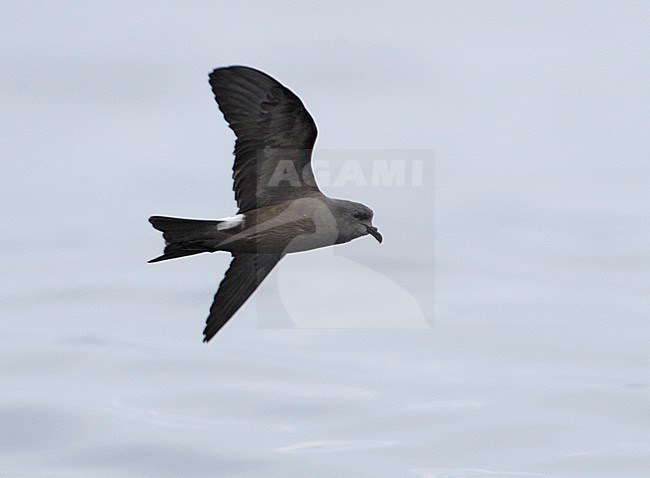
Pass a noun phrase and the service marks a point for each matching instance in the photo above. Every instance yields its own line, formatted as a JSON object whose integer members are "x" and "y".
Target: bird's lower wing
{"x": 245, "y": 274}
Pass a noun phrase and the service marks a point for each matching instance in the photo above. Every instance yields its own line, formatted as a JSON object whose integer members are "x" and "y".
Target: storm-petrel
{"x": 281, "y": 208}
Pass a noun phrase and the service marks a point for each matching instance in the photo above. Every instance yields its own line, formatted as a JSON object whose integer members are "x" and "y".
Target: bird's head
{"x": 355, "y": 220}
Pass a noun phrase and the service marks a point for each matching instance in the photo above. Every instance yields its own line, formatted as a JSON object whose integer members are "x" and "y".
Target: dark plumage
{"x": 281, "y": 209}
{"x": 271, "y": 123}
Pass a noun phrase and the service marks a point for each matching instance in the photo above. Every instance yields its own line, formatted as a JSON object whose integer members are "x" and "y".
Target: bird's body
{"x": 281, "y": 209}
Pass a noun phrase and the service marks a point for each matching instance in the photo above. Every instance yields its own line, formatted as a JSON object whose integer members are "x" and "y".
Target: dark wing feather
{"x": 275, "y": 137}
{"x": 245, "y": 274}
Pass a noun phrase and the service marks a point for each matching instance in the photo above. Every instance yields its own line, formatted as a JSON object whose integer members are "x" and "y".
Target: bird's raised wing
{"x": 275, "y": 137}
{"x": 245, "y": 274}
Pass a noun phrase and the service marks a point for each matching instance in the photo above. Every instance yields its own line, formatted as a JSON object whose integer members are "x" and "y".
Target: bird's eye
{"x": 358, "y": 215}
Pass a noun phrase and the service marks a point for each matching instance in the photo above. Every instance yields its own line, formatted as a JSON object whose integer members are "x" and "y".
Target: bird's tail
{"x": 183, "y": 237}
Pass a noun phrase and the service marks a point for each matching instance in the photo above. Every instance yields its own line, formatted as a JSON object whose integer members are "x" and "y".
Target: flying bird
{"x": 281, "y": 208}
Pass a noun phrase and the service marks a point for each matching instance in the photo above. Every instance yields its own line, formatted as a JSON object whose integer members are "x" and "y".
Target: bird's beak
{"x": 372, "y": 230}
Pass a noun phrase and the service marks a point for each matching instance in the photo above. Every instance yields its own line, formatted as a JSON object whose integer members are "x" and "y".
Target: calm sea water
{"x": 504, "y": 320}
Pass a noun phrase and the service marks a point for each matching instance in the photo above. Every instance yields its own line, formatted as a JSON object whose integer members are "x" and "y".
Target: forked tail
{"x": 183, "y": 237}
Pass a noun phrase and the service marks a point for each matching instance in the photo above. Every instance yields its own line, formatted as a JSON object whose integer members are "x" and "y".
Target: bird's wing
{"x": 245, "y": 274}
{"x": 275, "y": 137}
